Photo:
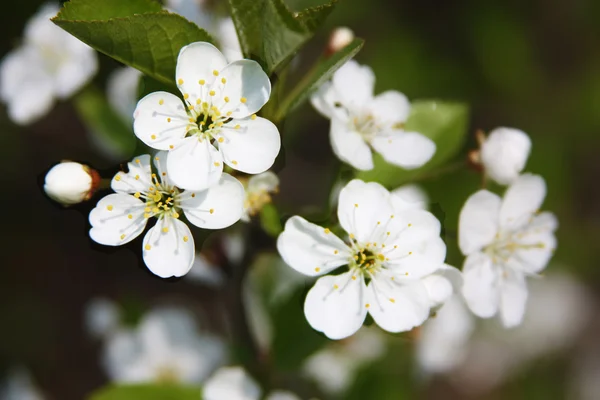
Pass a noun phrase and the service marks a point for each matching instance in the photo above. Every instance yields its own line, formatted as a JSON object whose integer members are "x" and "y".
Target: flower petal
{"x": 194, "y": 164}
{"x": 310, "y": 249}
{"x": 409, "y": 196}
{"x": 536, "y": 244}
{"x": 417, "y": 260}
{"x": 267, "y": 181}
{"x": 246, "y": 86}
{"x": 480, "y": 285}
{"x": 478, "y": 221}
{"x": 354, "y": 84}
{"x": 218, "y": 207}
{"x": 361, "y": 205}
{"x": 252, "y": 147}
{"x": 117, "y": 219}
{"x": 138, "y": 179}
{"x": 349, "y": 146}
{"x": 504, "y": 154}
{"x": 397, "y": 307}
{"x": 390, "y": 108}
{"x": 169, "y": 248}
{"x": 160, "y": 120}
{"x": 335, "y": 305}
{"x": 408, "y": 150}
{"x": 231, "y": 383}
{"x": 523, "y": 198}
{"x": 513, "y": 298}
{"x": 442, "y": 284}
{"x": 198, "y": 62}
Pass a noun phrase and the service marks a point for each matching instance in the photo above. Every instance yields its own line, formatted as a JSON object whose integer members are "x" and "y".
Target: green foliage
{"x": 269, "y": 220}
{"x": 147, "y": 392}
{"x": 444, "y": 122}
{"x": 102, "y": 121}
{"x": 321, "y": 72}
{"x": 271, "y": 33}
{"x": 134, "y": 32}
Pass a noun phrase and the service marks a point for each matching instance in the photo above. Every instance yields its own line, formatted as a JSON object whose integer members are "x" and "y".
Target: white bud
{"x": 340, "y": 38}
{"x": 70, "y": 183}
{"x": 504, "y": 154}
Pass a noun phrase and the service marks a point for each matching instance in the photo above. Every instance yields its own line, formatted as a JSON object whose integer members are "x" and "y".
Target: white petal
{"x": 198, "y": 61}
{"x": 247, "y": 87}
{"x": 536, "y": 244}
{"x": 169, "y": 248}
{"x": 138, "y": 179}
{"x": 439, "y": 289}
{"x": 513, "y": 298}
{"x": 282, "y": 395}
{"x": 480, "y": 285}
{"x": 478, "y": 221}
{"x": 349, "y": 146}
{"x": 361, "y": 205}
{"x": 504, "y": 154}
{"x": 524, "y": 197}
{"x": 231, "y": 383}
{"x": 336, "y": 305}
{"x": 111, "y": 222}
{"x": 323, "y": 100}
{"x": 122, "y": 91}
{"x": 354, "y": 84}
{"x": 77, "y": 68}
{"x": 390, "y": 108}
{"x": 409, "y": 196}
{"x": 194, "y": 164}
{"x": 218, "y": 207}
{"x": 408, "y": 150}
{"x": 310, "y": 249}
{"x": 69, "y": 183}
{"x": 253, "y": 147}
{"x": 267, "y": 182}
{"x": 230, "y": 43}
{"x": 397, "y": 307}
{"x": 160, "y": 120}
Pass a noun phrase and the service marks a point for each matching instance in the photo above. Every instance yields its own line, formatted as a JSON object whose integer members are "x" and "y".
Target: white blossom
{"x": 70, "y": 183}
{"x": 122, "y": 91}
{"x": 504, "y": 154}
{"x": 19, "y": 386}
{"x": 505, "y": 240}
{"x": 166, "y": 346}
{"x": 361, "y": 121}
{"x": 340, "y": 38}
{"x": 168, "y": 246}
{"x": 102, "y": 317}
{"x": 50, "y": 64}
{"x": 387, "y": 254}
{"x": 217, "y": 122}
{"x": 258, "y": 193}
{"x": 409, "y": 196}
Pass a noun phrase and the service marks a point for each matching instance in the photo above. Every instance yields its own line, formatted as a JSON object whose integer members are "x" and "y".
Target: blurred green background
{"x": 533, "y": 65}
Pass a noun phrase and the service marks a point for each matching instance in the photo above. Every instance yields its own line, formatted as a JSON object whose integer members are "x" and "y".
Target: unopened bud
{"x": 339, "y": 38}
{"x": 504, "y": 154}
{"x": 71, "y": 183}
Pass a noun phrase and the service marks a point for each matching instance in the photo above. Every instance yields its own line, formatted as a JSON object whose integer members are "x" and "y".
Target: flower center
{"x": 206, "y": 122}
{"x": 367, "y": 260}
{"x": 366, "y": 126}
{"x": 161, "y": 200}
{"x": 507, "y": 243}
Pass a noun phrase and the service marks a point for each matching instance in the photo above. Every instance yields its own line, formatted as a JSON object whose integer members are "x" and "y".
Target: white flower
{"x": 165, "y": 347}
{"x": 122, "y": 91}
{"x": 102, "y": 317}
{"x": 340, "y": 38}
{"x": 19, "y": 386}
{"x": 50, "y": 64}
{"x": 334, "y": 367}
{"x": 361, "y": 121}
{"x": 504, "y": 241}
{"x": 504, "y": 154}
{"x": 71, "y": 183}
{"x": 409, "y": 196}
{"x": 216, "y": 124}
{"x": 168, "y": 246}
{"x": 258, "y": 193}
{"x": 230, "y": 43}
{"x": 387, "y": 254}
{"x": 234, "y": 383}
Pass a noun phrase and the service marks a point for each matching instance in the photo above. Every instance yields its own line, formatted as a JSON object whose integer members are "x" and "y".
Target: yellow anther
{"x": 381, "y": 257}
{"x": 175, "y": 215}
{"x": 201, "y": 81}
{"x": 378, "y": 222}
{"x": 137, "y": 177}
{"x": 356, "y": 205}
{"x": 185, "y": 239}
{"x": 168, "y": 119}
{"x": 109, "y": 207}
{"x": 253, "y": 117}
{"x": 392, "y": 300}
{"x": 336, "y": 287}
{"x": 137, "y": 195}
{"x": 374, "y": 244}
{"x": 147, "y": 209}
{"x": 190, "y": 107}
{"x": 216, "y": 164}
{"x": 193, "y": 194}
{"x": 165, "y": 229}
{"x": 152, "y": 137}
{"x": 155, "y": 210}
{"x": 156, "y": 158}
{"x": 395, "y": 246}
{"x": 122, "y": 236}
{"x": 223, "y": 80}
{"x": 335, "y": 252}
{"x": 212, "y": 93}
{"x": 409, "y": 225}
{"x": 198, "y": 101}
{"x": 243, "y": 100}
{"x": 147, "y": 247}
{"x": 180, "y": 81}
{"x": 161, "y": 102}
{"x": 317, "y": 269}
{"x": 391, "y": 216}
{"x": 353, "y": 277}
{"x": 164, "y": 173}
{"x": 410, "y": 253}
{"x": 367, "y": 305}
{"x": 147, "y": 216}
{"x": 118, "y": 178}
{"x": 221, "y": 139}
{"x": 229, "y": 113}
{"x": 351, "y": 236}
{"x": 216, "y": 73}
{"x": 356, "y": 258}
{"x": 237, "y": 126}
{"x": 234, "y": 162}
{"x": 392, "y": 278}
{"x": 137, "y": 160}
{"x": 211, "y": 126}
{"x": 170, "y": 147}
{"x": 387, "y": 233}
{"x": 192, "y": 120}
{"x": 212, "y": 210}
{"x": 186, "y": 96}
{"x": 226, "y": 99}
{"x": 327, "y": 231}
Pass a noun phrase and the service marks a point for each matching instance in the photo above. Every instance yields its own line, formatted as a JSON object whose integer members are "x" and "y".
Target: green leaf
{"x": 271, "y": 33}
{"x": 93, "y": 10}
{"x": 320, "y": 73}
{"x": 270, "y": 221}
{"x": 445, "y": 123}
{"x": 148, "y": 392}
{"x": 149, "y": 42}
{"x": 102, "y": 121}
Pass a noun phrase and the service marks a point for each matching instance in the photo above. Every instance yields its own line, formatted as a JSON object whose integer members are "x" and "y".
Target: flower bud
{"x": 340, "y": 38}
{"x": 504, "y": 154}
{"x": 71, "y": 183}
